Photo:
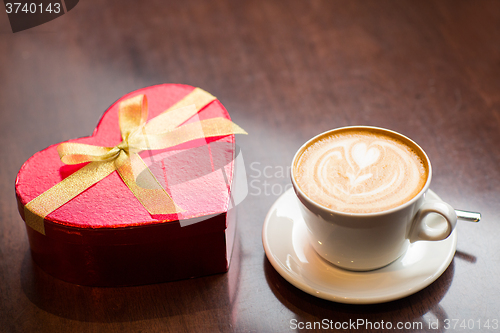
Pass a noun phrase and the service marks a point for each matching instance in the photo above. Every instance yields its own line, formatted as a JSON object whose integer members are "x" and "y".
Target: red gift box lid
{"x": 196, "y": 174}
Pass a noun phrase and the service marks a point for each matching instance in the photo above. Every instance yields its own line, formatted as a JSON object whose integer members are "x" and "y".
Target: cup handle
{"x": 421, "y": 231}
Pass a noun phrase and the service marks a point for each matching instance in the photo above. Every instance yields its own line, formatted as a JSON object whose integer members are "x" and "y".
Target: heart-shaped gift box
{"x": 99, "y": 230}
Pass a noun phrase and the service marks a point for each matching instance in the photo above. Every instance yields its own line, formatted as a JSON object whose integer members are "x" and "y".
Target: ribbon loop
{"x": 213, "y": 127}
{"x": 133, "y": 113}
{"x": 170, "y": 119}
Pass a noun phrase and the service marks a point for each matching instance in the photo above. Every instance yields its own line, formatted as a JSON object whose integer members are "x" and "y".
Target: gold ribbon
{"x": 160, "y": 132}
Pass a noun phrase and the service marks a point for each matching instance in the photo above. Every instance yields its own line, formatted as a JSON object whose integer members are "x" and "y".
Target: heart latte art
{"x": 360, "y": 171}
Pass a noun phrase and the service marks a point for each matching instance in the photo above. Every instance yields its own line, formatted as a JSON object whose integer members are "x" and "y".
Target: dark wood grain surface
{"x": 286, "y": 71}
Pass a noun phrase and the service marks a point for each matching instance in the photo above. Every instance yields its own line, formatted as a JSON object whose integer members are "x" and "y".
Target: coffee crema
{"x": 360, "y": 171}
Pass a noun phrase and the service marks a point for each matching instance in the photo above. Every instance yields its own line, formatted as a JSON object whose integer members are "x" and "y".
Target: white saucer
{"x": 285, "y": 240}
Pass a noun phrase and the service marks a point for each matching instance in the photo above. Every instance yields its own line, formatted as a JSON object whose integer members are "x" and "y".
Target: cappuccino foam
{"x": 360, "y": 171}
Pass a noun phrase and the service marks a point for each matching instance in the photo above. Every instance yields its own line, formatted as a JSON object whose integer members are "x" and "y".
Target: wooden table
{"x": 285, "y": 70}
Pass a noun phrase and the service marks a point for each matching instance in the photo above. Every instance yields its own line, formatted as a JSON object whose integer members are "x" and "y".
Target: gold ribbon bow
{"x": 160, "y": 132}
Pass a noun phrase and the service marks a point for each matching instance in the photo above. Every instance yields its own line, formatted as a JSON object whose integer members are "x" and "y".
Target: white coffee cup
{"x": 367, "y": 241}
